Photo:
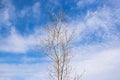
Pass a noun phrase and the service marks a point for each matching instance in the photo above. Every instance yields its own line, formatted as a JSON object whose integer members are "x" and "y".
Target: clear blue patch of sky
{"x": 20, "y": 4}
{"x": 4, "y": 32}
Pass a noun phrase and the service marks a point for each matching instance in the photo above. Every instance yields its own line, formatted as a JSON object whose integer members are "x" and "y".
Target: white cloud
{"x": 98, "y": 62}
{"x": 29, "y": 11}
{"x": 82, "y": 3}
{"x": 36, "y": 9}
{"x": 110, "y": 3}
{"x": 102, "y": 22}
{"x": 103, "y": 17}
{"x": 22, "y": 71}
{"x": 7, "y": 13}
{"x": 18, "y": 43}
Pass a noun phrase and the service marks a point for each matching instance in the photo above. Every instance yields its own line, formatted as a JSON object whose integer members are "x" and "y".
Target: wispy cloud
{"x": 98, "y": 26}
{"x": 31, "y": 11}
{"x": 22, "y": 71}
{"x": 7, "y": 13}
{"x": 83, "y": 3}
{"x": 18, "y": 43}
{"x": 110, "y": 3}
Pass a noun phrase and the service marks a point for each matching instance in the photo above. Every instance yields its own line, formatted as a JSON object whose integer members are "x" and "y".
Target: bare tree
{"x": 57, "y": 46}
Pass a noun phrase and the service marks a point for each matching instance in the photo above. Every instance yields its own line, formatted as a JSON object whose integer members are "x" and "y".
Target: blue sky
{"x": 96, "y": 44}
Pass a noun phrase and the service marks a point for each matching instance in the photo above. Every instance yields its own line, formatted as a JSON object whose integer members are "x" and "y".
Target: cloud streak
{"x": 17, "y": 43}
{"x": 25, "y": 72}
{"x": 7, "y": 13}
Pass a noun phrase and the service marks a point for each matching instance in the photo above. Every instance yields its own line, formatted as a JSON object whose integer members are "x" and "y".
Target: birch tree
{"x": 57, "y": 47}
